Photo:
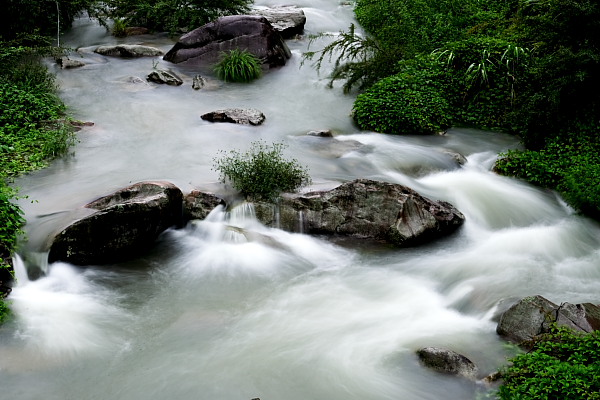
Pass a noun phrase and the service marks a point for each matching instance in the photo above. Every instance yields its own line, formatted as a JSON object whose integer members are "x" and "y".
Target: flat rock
{"x": 128, "y": 51}
{"x": 243, "y": 116}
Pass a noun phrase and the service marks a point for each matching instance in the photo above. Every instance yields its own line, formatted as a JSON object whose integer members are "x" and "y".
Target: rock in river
{"x": 244, "y": 32}
{"x": 122, "y": 225}
{"x": 367, "y": 209}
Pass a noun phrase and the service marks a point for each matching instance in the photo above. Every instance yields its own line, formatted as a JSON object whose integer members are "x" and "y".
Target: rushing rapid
{"x": 226, "y": 308}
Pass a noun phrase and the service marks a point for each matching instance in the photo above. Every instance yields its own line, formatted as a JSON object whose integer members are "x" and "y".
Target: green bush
{"x": 171, "y": 15}
{"x": 411, "y": 102}
{"x": 561, "y": 365}
{"x": 119, "y": 28}
{"x": 4, "y": 311}
{"x": 238, "y": 66}
{"x": 572, "y": 167}
{"x": 261, "y": 173}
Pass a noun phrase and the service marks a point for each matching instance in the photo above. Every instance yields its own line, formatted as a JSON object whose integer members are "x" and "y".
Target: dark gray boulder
{"x": 367, "y": 209}
{"x": 447, "y": 362}
{"x": 243, "y": 116}
{"x": 253, "y": 33}
{"x": 197, "y": 204}
{"x": 128, "y": 51}
{"x": 121, "y": 225}
{"x": 534, "y": 315}
{"x": 162, "y": 76}
{"x": 289, "y": 21}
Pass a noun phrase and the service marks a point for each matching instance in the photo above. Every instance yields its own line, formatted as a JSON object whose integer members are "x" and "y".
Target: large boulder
{"x": 534, "y": 315}
{"x": 128, "y": 51}
{"x": 366, "y": 209}
{"x": 121, "y": 225}
{"x": 253, "y": 33}
{"x": 447, "y": 362}
{"x": 289, "y": 21}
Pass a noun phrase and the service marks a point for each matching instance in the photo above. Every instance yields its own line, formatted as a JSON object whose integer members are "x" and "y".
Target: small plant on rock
{"x": 261, "y": 173}
{"x": 238, "y": 66}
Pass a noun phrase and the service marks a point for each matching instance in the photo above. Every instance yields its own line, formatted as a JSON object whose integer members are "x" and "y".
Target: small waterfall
{"x": 20, "y": 269}
{"x": 301, "y": 221}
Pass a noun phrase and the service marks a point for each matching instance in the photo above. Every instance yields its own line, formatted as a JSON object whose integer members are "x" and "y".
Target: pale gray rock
{"x": 67, "y": 63}
{"x": 120, "y": 225}
{"x": 243, "y": 116}
{"x": 128, "y": 51}
{"x": 324, "y": 133}
{"x": 289, "y": 21}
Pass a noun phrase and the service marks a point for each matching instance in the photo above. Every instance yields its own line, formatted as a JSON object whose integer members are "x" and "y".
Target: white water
{"x": 228, "y": 309}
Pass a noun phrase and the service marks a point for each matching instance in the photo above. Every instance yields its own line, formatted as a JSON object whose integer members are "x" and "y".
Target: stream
{"x": 208, "y": 314}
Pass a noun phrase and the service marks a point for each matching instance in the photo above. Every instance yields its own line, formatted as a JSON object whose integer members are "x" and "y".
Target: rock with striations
{"x": 128, "y": 51}
{"x": 534, "y": 315}
{"x": 243, "y": 116}
{"x": 121, "y": 225}
{"x": 447, "y": 361}
{"x": 253, "y": 33}
{"x": 367, "y": 209}
{"x": 289, "y": 21}
{"x": 162, "y": 76}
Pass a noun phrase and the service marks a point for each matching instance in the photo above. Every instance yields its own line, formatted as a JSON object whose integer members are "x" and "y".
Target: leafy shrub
{"x": 119, "y": 28}
{"x": 359, "y": 61}
{"x": 561, "y": 365}
{"x": 261, "y": 173}
{"x": 171, "y": 15}
{"x": 4, "y": 311}
{"x": 238, "y": 66}
{"x": 411, "y": 102}
{"x": 572, "y": 167}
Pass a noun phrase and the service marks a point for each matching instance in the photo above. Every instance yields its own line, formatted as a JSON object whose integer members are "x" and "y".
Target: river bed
{"x": 210, "y": 315}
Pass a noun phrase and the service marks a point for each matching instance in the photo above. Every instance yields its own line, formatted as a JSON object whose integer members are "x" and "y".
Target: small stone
{"x": 321, "y": 133}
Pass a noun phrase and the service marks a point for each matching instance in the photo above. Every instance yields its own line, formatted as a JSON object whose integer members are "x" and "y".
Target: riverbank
{"x": 33, "y": 131}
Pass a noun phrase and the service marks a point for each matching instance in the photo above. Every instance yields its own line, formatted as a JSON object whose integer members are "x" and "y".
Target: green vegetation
{"x": 238, "y": 66}
{"x": 33, "y": 131}
{"x": 261, "y": 173}
{"x": 527, "y": 67}
{"x": 170, "y": 15}
{"x": 561, "y": 365}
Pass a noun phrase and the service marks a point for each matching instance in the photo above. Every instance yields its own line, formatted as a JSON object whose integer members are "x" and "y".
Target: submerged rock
{"x": 532, "y": 316}
{"x": 244, "y": 116}
{"x": 448, "y": 362}
{"x": 128, "y": 51}
{"x": 67, "y": 63}
{"x": 289, "y": 21}
{"x": 198, "y": 82}
{"x": 253, "y": 33}
{"x": 367, "y": 209}
{"x": 120, "y": 226}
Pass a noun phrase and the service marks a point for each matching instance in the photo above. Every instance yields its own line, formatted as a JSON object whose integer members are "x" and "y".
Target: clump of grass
{"x": 261, "y": 173}
{"x": 238, "y": 66}
{"x": 119, "y": 28}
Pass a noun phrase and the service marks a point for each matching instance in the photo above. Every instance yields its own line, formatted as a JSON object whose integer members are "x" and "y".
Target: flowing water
{"x": 225, "y": 308}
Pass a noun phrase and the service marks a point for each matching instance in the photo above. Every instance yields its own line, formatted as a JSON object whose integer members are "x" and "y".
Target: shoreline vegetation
{"x": 527, "y": 67}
